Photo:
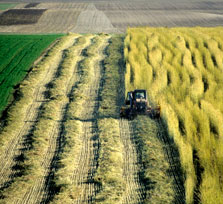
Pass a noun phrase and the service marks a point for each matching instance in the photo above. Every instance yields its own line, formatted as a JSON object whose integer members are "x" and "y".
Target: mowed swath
{"x": 54, "y": 146}
{"x": 49, "y": 109}
{"x": 23, "y": 117}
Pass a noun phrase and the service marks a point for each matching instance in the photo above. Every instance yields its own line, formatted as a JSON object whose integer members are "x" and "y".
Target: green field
{"x": 17, "y": 53}
{"x": 4, "y": 6}
{"x": 182, "y": 70}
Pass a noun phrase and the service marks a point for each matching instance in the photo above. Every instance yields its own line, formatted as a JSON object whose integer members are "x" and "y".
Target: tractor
{"x": 136, "y": 103}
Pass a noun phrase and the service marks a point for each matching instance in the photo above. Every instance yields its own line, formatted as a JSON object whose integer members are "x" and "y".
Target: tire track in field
{"x": 41, "y": 191}
{"x": 87, "y": 158}
{"x": 17, "y": 144}
{"x": 135, "y": 191}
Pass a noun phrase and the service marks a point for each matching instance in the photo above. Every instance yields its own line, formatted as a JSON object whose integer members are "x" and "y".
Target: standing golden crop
{"x": 182, "y": 70}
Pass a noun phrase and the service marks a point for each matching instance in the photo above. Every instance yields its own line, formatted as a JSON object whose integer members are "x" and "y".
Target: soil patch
{"x": 21, "y": 16}
{"x": 31, "y": 5}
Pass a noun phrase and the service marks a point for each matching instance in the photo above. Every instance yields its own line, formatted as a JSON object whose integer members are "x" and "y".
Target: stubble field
{"x": 117, "y": 16}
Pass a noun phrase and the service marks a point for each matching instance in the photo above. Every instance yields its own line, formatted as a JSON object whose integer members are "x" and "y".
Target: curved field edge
{"x": 18, "y": 53}
{"x": 181, "y": 68}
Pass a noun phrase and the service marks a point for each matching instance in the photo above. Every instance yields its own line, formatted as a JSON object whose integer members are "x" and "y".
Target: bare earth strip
{"x": 87, "y": 158}
{"x": 134, "y": 189}
{"x": 15, "y": 146}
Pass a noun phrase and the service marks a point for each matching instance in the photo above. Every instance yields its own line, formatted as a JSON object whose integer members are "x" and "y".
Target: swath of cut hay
{"x": 69, "y": 190}
{"x": 77, "y": 174}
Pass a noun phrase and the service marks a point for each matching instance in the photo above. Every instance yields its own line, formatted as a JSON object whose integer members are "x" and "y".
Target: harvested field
{"x": 20, "y": 16}
{"x": 117, "y": 16}
{"x": 58, "y": 18}
{"x": 154, "y": 14}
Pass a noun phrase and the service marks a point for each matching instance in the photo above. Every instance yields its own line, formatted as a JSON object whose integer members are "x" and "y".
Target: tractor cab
{"x": 136, "y": 95}
{"x": 136, "y": 103}
{"x": 140, "y": 100}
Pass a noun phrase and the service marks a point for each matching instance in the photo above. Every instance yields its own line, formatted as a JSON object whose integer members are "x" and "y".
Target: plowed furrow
{"x": 135, "y": 191}
{"x": 7, "y": 159}
{"x": 87, "y": 158}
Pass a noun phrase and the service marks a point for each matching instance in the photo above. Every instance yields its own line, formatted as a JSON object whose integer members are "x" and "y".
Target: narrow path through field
{"x": 87, "y": 158}
{"x": 16, "y": 145}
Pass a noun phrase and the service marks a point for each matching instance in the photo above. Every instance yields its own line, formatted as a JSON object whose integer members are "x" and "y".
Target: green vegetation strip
{"x": 4, "y": 6}
{"x": 181, "y": 68}
{"x": 17, "y": 53}
{"x": 32, "y": 168}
